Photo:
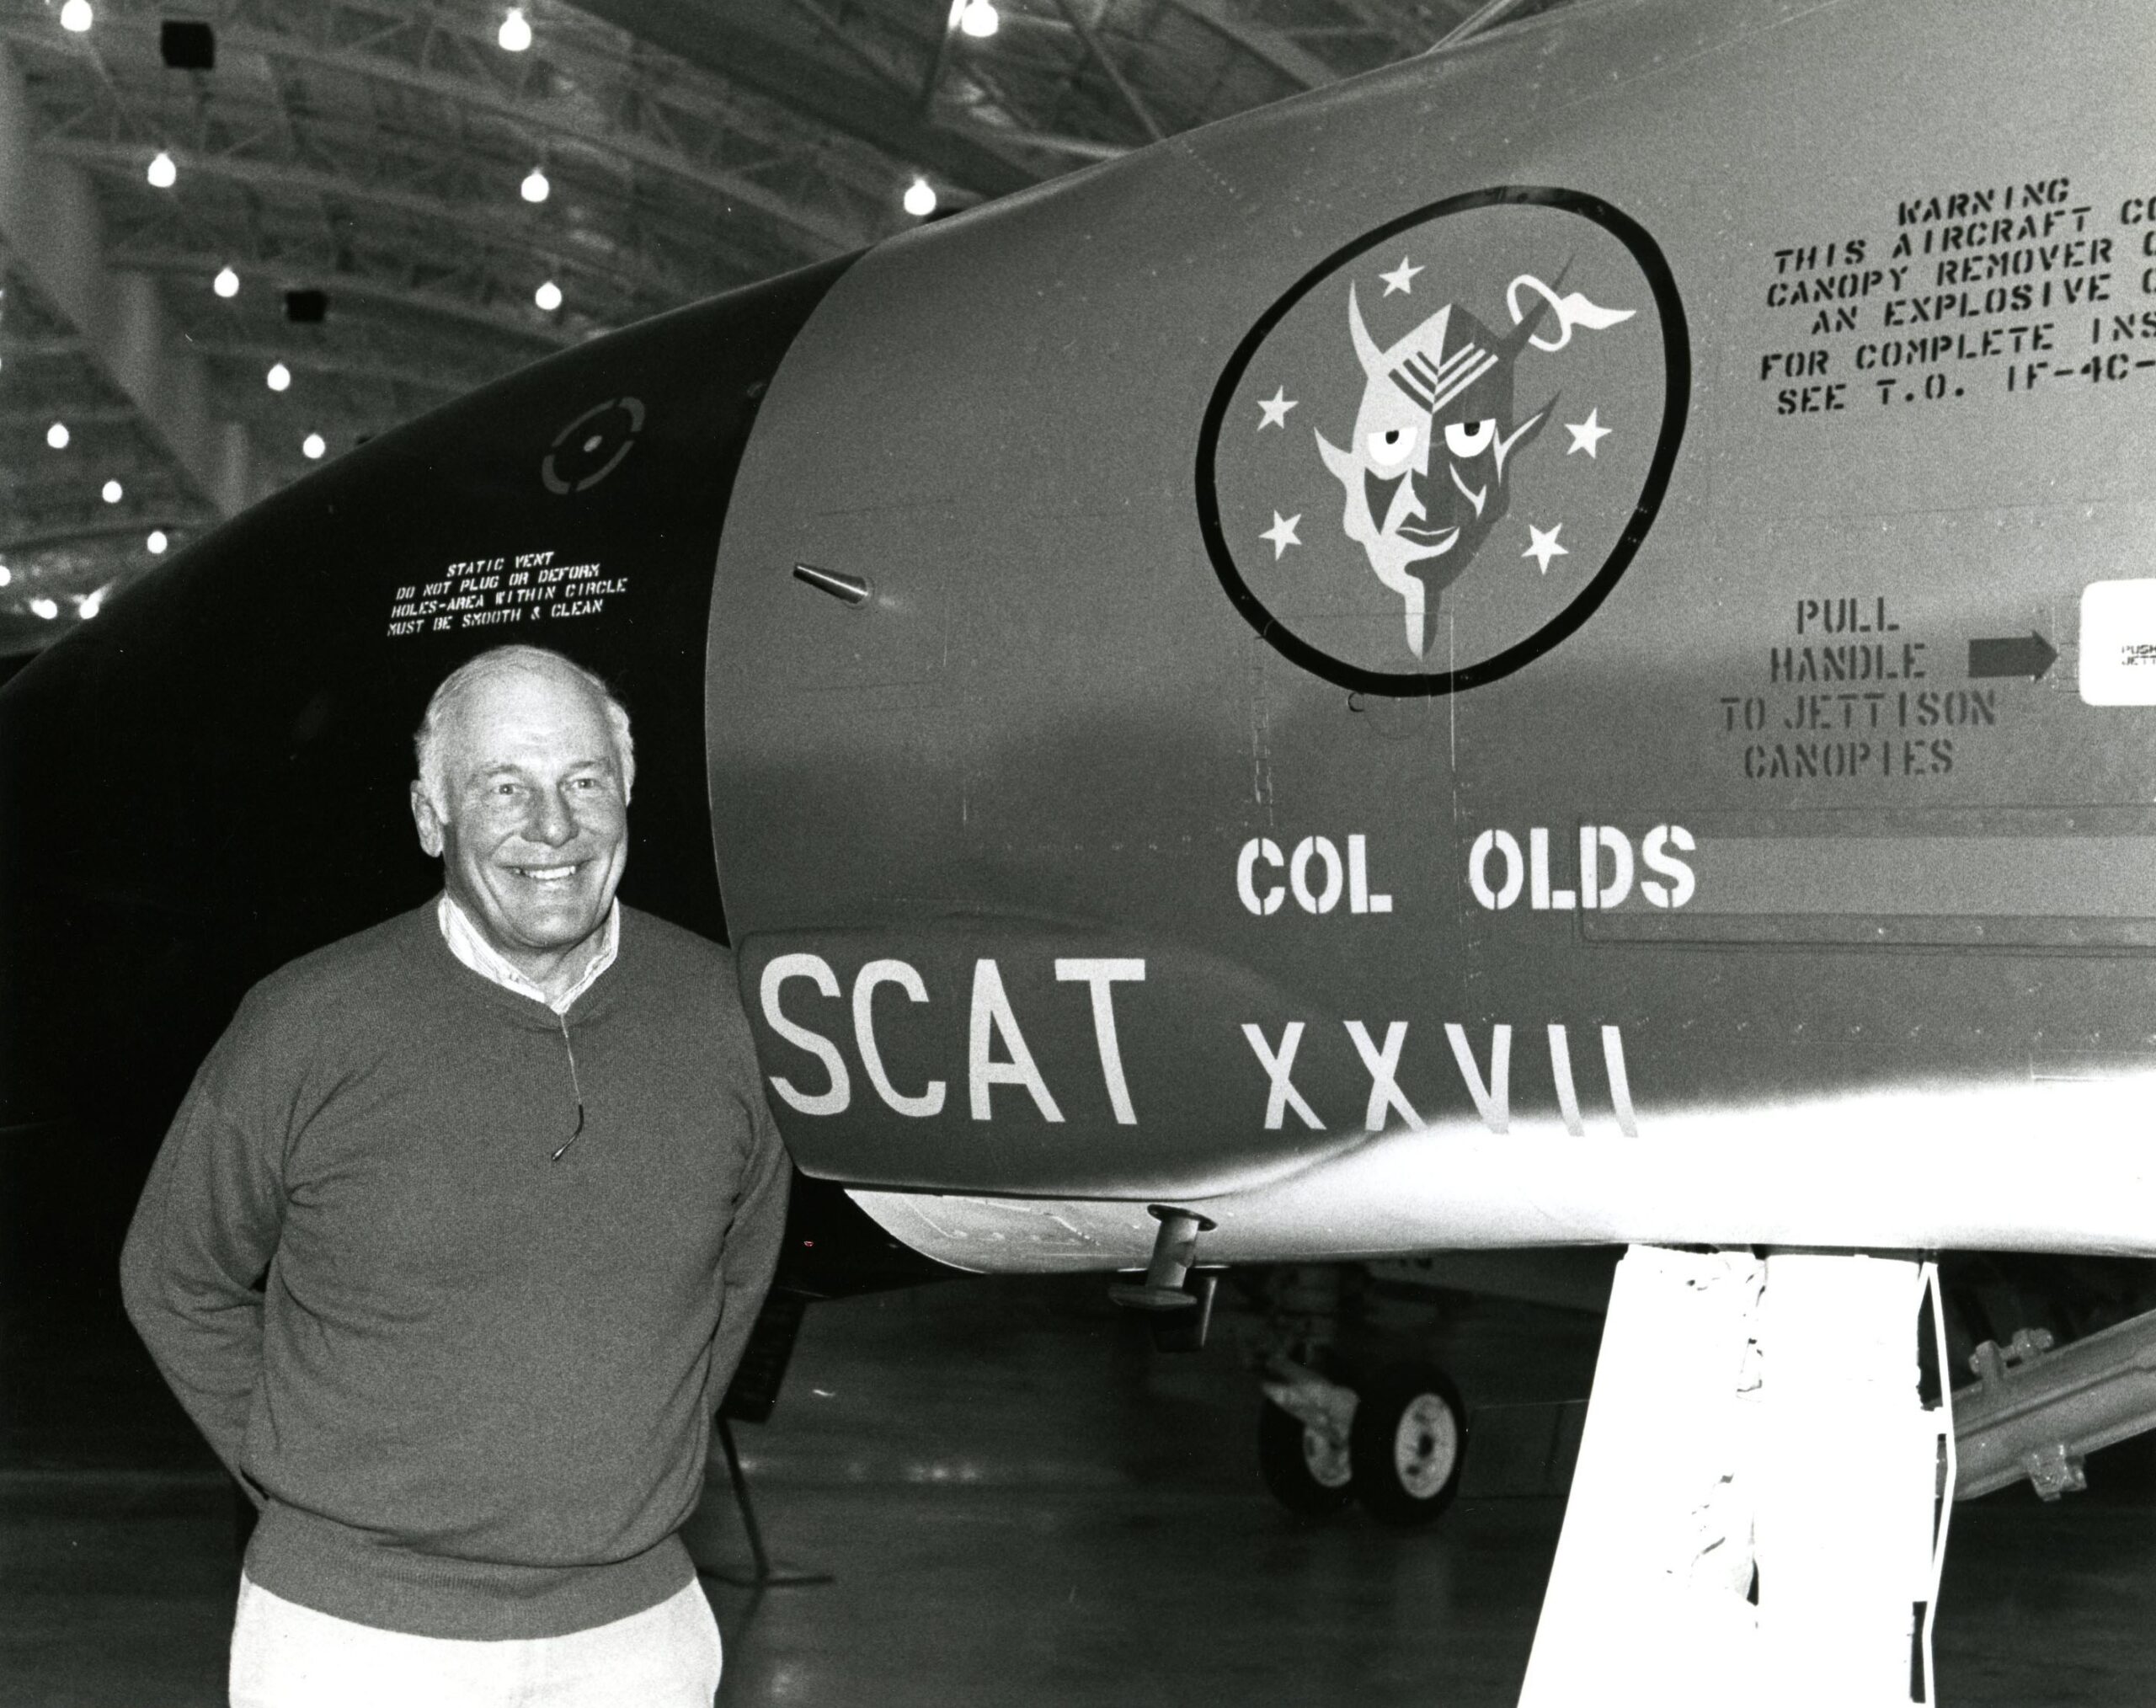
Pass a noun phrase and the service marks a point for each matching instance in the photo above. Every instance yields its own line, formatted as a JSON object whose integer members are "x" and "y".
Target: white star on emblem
{"x": 1586, "y": 434}
{"x": 1276, "y": 408}
{"x": 1282, "y": 533}
{"x": 1400, "y": 278}
{"x": 1544, "y": 546}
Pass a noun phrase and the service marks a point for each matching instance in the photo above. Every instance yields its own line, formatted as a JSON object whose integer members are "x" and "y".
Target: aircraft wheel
{"x": 1304, "y": 1471}
{"x": 1408, "y": 1444}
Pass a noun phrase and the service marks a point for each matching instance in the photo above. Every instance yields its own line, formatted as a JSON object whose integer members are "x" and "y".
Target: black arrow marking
{"x": 2012, "y": 657}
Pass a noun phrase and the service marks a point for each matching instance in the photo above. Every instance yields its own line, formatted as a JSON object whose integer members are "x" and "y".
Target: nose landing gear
{"x": 1304, "y": 1425}
{"x": 1397, "y": 1443}
{"x": 1408, "y": 1445}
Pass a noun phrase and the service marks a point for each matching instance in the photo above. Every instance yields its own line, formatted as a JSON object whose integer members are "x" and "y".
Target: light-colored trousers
{"x": 285, "y": 1656}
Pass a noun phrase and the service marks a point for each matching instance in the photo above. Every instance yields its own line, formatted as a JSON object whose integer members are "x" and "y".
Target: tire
{"x": 1408, "y": 1445}
{"x": 1300, "y": 1470}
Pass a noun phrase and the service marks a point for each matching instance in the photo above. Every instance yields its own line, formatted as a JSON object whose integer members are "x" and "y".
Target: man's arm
{"x": 752, "y": 1242}
{"x": 202, "y": 1236}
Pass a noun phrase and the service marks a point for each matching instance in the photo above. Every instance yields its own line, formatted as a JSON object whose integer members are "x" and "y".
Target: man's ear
{"x": 428, "y": 820}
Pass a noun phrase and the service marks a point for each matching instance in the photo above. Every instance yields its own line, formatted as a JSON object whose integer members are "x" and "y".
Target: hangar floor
{"x": 1020, "y": 1502}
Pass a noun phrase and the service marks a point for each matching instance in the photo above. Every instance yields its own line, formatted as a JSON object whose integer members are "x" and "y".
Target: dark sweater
{"x": 475, "y": 1398}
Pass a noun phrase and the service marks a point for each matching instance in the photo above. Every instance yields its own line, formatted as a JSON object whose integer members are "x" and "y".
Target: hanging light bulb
{"x": 92, "y": 603}
{"x": 113, "y": 491}
{"x": 514, "y": 35}
{"x": 162, "y": 174}
{"x": 56, "y": 435}
{"x": 227, "y": 283}
{"x": 157, "y": 542}
{"x": 47, "y": 608}
{"x": 921, "y": 198}
{"x": 75, "y": 16}
{"x": 548, "y": 297}
{"x": 981, "y": 19}
{"x": 279, "y": 378}
{"x": 314, "y": 445}
{"x": 536, "y": 189}
{"x": 6, "y": 575}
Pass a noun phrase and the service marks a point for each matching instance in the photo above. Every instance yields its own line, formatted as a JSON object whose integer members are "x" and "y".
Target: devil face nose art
{"x": 1416, "y": 466}
{"x": 1476, "y": 495}
{"x": 1378, "y": 491}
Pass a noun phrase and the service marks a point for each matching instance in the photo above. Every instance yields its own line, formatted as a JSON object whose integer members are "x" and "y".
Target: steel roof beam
{"x": 854, "y": 49}
{"x": 640, "y": 274}
{"x": 117, "y": 528}
{"x": 506, "y": 321}
{"x": 50, "y": 221}
{"x": 816, "y": 235}
{"x": 824, "y": 236}
{"x": 74, "y": 415}
{"x": 757, "y": 52}
{"x": 1482, "y": 19}
{"x": 49, "y": 345}
{"x": 359, "y": 364}
{"x": 1297, "y": 64}
{"x": 1098, "y": 50}
{"x": 1050, "y": 142}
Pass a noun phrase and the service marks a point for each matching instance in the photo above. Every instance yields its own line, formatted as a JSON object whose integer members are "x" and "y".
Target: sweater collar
{"x": 470, "y": 947}
{"x": 426, "y": 939}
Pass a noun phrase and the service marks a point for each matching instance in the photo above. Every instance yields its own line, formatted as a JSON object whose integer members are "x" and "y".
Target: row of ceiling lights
{"x": 76, "y": 17}
{"x": 920, "y": 201}
{"x": 514, "y": 35}
{"x": 88, "y": 605}
{"x": 163, "y": 172}
{"x": 85, "y": 604}
{"x": 279, "y": 377}
{"x": 548, "y": 297}
{"x": 978, "y": 18}
{"x": 156, "y": 545}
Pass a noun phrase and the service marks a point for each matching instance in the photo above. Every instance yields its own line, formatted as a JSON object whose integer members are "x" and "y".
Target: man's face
{"x": 533, "y": 832}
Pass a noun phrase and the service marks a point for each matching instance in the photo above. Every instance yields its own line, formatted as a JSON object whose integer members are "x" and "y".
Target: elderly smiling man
{"x": 456, "y": 1240}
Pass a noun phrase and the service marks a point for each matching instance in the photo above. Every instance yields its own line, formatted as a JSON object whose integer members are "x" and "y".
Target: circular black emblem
{"x": 1433, "y": 457}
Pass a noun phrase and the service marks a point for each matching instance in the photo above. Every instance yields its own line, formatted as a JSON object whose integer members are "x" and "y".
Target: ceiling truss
{"x": 374, "y": 150}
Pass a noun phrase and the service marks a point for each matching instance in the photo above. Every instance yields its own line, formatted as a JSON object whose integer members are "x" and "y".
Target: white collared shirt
{"x": 469, "y": 947}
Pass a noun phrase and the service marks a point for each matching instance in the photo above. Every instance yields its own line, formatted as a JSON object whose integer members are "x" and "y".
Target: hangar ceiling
{"x": 239, "y": 236}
